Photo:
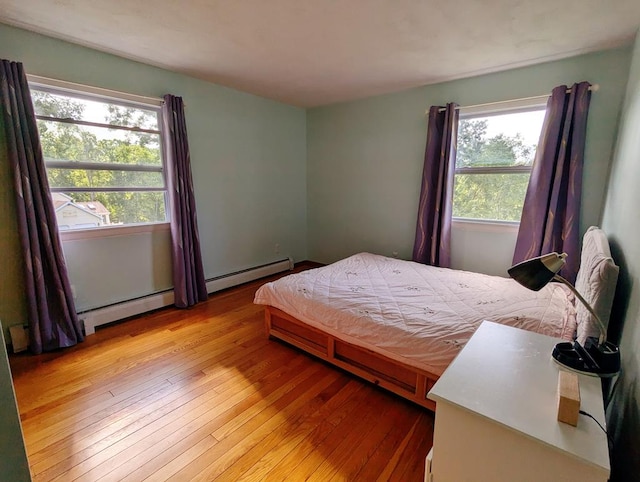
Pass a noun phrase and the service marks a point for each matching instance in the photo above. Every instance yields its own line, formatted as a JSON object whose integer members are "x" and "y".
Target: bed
{"x": 399, "y": 324}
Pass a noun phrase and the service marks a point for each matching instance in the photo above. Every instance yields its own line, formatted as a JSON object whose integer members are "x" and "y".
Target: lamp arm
{"x": 603, "y": 330}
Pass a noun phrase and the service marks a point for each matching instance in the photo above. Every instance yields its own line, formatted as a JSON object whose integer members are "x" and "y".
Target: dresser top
{"x": 507, "y": 375}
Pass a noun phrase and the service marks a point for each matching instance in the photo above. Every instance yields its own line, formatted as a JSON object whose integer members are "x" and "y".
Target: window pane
{"x": 78, "y": 210}
{"x": 490, "y": 196}
{"x": 503, "y": 140}
{"x": 499, "y": 140}
{"x": 69, "y": 147}
{"x": 62, "y": 106}
{"x": 64, "y": 178}
{"x": 69, "y": 142}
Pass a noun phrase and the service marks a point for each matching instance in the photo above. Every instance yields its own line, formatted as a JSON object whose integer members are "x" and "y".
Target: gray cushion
{"x": 596, "y": 282}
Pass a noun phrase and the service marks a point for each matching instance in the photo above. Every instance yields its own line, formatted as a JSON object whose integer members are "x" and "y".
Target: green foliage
{"x": 471, "y": 134}
{"x": 476, "y": 150}
{"x": 127, "y": 116}
{"x": 493, "y": 196}
{"x": 56, "y": 106}
{"x": 69, "y": 142}
{"x": 490, "y": 196}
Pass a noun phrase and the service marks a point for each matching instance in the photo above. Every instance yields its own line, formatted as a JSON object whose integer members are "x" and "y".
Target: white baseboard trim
{"x": 240, "y": 277}
{"x": 126, "y": 309}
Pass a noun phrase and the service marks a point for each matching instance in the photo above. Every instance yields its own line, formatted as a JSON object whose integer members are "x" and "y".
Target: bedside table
{"x": 496, "y": 415}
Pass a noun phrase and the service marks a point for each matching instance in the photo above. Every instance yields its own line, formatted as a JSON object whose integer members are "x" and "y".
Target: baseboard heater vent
{"x": 126, "y": 309}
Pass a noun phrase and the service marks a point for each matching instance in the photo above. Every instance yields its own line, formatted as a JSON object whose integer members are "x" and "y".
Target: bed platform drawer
{"x": 373, "y": 364}
{"x": 404, "y": 380}
{"x": 289, "y": 330}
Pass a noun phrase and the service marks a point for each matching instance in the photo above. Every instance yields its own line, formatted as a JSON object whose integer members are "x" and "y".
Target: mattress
{"x": 416, "y": 314}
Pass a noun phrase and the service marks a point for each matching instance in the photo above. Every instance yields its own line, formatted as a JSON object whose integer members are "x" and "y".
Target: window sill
{"x": 80, "y": 234}
{"x": 486, "y": 225}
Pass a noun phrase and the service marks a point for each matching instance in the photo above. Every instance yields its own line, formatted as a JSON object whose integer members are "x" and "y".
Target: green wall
{"x": 249, "y": 168}
{"x": 14, "y": 466}
{"x": 364, "y": 159}
{"x": 621, "y": 222}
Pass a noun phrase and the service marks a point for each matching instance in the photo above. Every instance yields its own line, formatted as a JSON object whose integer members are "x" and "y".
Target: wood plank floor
{"x": 202, "y": 394}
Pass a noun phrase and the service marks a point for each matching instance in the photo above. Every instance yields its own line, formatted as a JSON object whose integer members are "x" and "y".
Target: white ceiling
{"x": 309, "y": 53}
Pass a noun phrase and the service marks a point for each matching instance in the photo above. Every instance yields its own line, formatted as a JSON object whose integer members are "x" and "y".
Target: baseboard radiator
{"x": 126, "y": 309}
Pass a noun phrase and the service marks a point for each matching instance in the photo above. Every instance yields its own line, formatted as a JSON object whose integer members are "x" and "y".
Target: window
{"x": 493, "y": 164}
{"x": 103, "y": 158}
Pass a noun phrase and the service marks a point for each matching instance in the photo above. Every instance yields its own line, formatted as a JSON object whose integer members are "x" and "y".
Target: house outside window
{"x": 495, "y": 153}
{"x": 103, "y": 158}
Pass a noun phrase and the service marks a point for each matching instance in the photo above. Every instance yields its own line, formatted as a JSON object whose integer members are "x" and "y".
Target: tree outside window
{"x": 103, "y": 159}
{"x": 493, "y": 164}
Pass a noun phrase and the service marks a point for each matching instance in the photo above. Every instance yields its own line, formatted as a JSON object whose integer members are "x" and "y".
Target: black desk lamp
{"x": 597, "y": 357}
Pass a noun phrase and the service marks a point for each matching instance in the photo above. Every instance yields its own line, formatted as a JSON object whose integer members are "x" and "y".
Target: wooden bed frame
{"x": 404, "y": 380}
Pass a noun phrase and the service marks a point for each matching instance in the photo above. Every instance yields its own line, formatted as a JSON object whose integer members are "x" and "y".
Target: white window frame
{"x": 488, "y": 110}
{"x": 87, "y": 92}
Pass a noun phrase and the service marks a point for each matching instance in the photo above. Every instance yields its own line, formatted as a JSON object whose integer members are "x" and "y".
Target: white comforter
{"x": 419, "y": 315}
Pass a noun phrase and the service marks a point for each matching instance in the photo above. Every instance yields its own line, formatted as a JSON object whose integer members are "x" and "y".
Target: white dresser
{"x": 496, "y": 416}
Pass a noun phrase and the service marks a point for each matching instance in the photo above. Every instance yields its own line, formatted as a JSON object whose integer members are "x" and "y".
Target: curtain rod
{"x": 63, "y": 84}
{"x": 593, "y": 88}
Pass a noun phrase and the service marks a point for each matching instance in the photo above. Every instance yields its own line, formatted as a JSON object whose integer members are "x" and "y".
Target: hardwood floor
{"x": 202, "y": 394}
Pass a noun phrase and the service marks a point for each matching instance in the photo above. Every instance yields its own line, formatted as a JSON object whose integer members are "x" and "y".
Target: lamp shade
{"x": 536, "y": 272}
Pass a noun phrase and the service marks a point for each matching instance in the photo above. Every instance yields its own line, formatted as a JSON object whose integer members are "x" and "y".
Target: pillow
{"x": 596, "y": 282}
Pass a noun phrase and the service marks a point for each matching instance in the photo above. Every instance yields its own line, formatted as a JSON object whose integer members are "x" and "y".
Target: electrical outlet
{"x": 73, "y": 292}
{"x": 277, "y": 248}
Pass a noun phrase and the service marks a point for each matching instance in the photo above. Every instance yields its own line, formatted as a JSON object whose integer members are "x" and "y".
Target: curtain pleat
{"x": 188, "y": 273}
{"x": 433, "y": 230}
{"x": 53, "y": 322}
{"x": 551, "y": 213}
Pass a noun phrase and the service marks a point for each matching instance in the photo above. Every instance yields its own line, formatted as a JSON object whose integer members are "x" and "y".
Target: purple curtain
{"x": 433, "y": 231}
{"x": 53, "y": 322}
{"x": 188, "y": 274}
{"x": 551, "y": 213}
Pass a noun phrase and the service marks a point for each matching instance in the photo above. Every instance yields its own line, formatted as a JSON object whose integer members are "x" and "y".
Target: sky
{"x": 528, "y": 124}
